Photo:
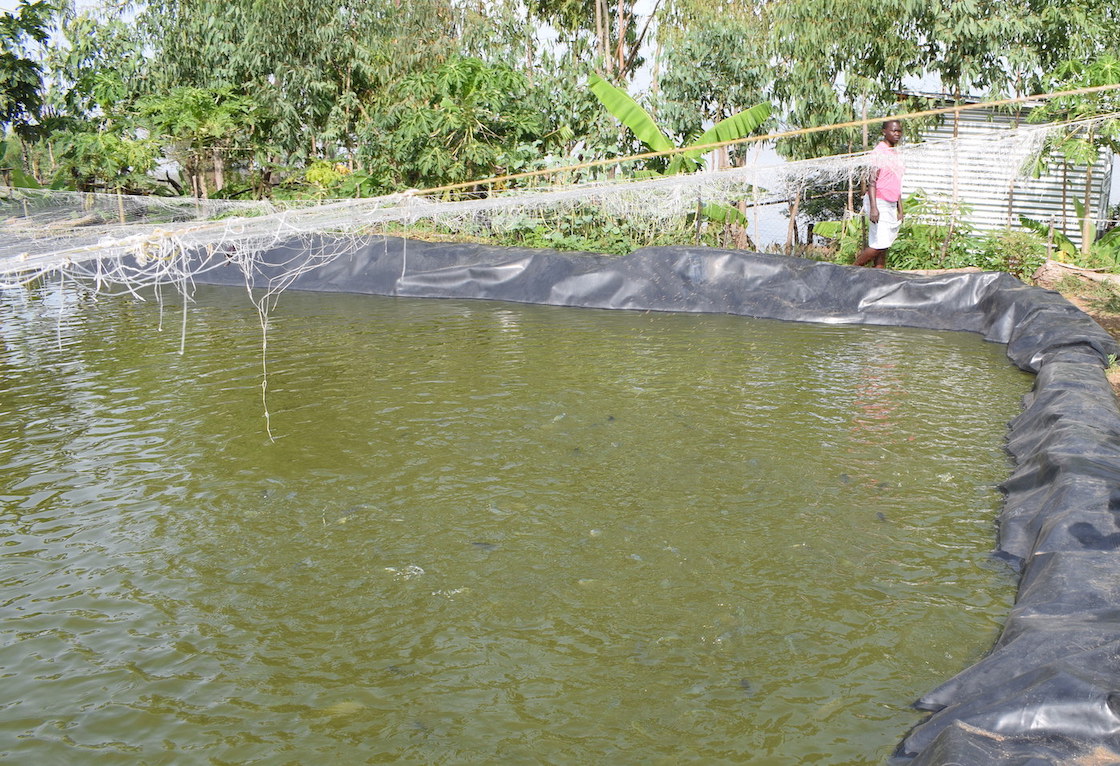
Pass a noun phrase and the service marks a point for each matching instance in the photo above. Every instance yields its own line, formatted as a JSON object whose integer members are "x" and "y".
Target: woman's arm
{"x": 873, "y": 206}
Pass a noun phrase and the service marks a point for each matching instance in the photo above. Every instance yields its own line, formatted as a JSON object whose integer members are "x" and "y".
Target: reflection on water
{"x": 486, "y": 533}
{"x": 879, "y": 389}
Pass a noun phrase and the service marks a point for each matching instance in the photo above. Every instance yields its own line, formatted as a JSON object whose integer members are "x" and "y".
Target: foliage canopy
{"x": 356, "y": 97}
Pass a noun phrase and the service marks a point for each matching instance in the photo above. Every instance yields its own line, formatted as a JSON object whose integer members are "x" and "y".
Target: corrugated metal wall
{"x": 995, "y": 194}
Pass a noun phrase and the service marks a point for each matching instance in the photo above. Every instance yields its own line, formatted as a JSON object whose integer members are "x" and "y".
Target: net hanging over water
{"x": 123, "y": 243}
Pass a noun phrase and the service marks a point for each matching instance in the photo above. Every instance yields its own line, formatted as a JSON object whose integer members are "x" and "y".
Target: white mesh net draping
{"x": 117, "y": 242}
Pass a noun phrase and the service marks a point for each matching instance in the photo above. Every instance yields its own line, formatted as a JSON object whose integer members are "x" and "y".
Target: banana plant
{"x": 631, "y": 114}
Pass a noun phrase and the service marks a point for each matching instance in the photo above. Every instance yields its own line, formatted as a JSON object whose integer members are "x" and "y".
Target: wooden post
{"x": 791, "y": 232}
{"x": 956, "y": 183}
{"x": 851, "y": 187}
{"x": 699, "y": 217}
{"x": 1087, "y": 221}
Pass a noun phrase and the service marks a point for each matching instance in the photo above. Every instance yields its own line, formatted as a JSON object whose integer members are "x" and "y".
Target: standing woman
{"x": 884, "y": 198}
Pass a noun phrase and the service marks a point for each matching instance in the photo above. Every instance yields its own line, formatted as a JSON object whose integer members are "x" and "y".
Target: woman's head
{"x": 892, "y": 131}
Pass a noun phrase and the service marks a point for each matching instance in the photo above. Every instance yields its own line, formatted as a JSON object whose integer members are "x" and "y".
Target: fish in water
{"x": 349, "y": 513}
{"x": 484, "y": 546}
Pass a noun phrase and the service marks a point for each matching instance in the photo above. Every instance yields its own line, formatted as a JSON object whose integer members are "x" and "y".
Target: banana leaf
{"x": 739, "y": 125}
{"x": 713, "y": 211}
{"x": 1064, "y": 243}
{"x": 619, "y": 103}
{"x": 829, "y": 229}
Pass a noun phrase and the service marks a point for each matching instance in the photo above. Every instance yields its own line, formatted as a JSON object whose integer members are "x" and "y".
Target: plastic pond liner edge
{"x": 1049, "y": 690}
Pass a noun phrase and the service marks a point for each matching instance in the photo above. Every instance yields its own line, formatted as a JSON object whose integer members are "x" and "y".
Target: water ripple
{"x": 485, "y": 533}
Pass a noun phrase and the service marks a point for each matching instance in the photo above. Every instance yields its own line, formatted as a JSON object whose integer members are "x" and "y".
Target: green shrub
{"x": 847, "y": 235}
{"x": 933, "y": 235}
{"x": 926, "y": 240}
{"x": 1019, "y": 253}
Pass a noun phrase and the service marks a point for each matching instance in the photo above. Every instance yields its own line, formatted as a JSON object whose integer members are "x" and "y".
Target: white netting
{"x": 131, "y": 242}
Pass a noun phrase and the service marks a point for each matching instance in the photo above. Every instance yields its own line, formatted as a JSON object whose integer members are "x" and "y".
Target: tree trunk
{"x": 863, "y": 128}
{"x": 956, "y": 182}
{"x": 956, "y": 161}
{"x": 851, "y": 188}
{"x": 622, "y": 24}
{"x": 1010, "y": 201}
{"x": 198, "y": 177}
{"x": 791, "y": 232}
{"x": 219, "y": 169}
{"x": 699, "y": 218}
{"x": 601, "y": 26}
{"x": 864, "y": 176}
{"x": 1065, "y": 186}
{"x": 266, "y": 184}
{"x": 1087, "y": 220}
{"x": 742, "y": 238}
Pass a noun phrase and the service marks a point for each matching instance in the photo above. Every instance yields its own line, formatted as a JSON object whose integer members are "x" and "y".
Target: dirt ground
{"x": 1088, "y": 291}
{"x": 1109, "y": 321}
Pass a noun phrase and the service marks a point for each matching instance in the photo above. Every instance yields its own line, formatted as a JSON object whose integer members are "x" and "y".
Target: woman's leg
{"x": 869, "y": 254}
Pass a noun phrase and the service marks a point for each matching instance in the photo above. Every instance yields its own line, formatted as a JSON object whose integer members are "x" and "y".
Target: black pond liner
{"x": 1049, "y": 691}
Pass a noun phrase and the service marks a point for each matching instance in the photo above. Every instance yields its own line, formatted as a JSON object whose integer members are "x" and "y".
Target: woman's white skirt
{"x": 882, "y": 235}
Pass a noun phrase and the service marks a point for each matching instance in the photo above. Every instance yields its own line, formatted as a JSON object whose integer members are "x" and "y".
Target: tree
{"x": 723, "y": 43}
{"x": 92, "y": 73}
{"x": 612, "y": 30}
{"x": 98, "y": 68}
{"x": 384, "y": 88}
{"x": 325, "y": 74}
{"x": 463, "y": 120}
{"x": 853, "y": 60}
{"x": 1082, "y": 142}
{"x": 202, "y": 125}
{"x": 108, "y": 160}
{"x": 21, "y": 75}
{"x": 1062, "y": 30}
{"x": 837, "y": 66}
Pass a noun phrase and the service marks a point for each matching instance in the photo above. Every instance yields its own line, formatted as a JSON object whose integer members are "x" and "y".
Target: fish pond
{"x": 485, "y": 532}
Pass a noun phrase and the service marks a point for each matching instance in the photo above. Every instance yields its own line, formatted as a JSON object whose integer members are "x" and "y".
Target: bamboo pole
{"x": 768, "y": 137}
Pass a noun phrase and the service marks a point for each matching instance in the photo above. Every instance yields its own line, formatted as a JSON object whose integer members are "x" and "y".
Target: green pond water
{"x": 485, "y": 533}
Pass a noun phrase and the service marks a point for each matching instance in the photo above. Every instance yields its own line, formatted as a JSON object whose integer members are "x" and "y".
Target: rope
{"x": 769, "y": 137}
